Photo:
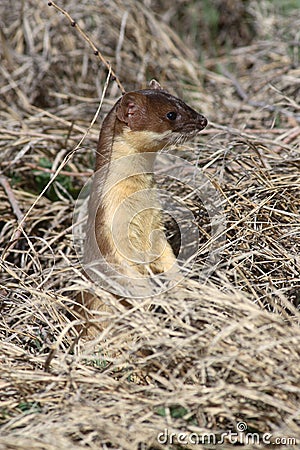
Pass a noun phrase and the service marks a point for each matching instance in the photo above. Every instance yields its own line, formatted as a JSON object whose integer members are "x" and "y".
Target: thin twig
{"x": 92, "y": 45}
{"x": 58, "y": 170}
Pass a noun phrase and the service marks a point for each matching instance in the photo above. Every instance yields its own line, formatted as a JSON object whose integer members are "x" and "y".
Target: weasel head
{"x": 150, "y": 119}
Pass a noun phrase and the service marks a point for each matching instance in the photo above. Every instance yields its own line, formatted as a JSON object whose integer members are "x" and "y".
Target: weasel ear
{"x": 127, "y": 108}
{"x": 154, "y": 84}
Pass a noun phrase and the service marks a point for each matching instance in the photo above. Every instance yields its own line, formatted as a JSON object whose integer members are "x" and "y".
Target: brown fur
{"x": 122, "y": 198}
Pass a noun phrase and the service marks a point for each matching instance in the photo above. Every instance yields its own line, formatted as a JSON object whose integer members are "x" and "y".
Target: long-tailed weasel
{"x": 125, "y": 236}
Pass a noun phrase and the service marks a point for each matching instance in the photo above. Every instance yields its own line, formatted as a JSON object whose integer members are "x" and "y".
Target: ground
{"x": 220, "y": 352}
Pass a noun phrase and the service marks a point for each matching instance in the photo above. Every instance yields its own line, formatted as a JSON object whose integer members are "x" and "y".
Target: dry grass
{"x": 218, "y": 352}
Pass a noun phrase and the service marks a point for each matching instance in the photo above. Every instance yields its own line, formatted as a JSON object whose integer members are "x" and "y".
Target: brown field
{"x": 222, "y": 350}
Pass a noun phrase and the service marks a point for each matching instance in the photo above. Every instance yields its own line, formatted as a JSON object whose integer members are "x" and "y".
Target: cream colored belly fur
{"x": 133, "y": 228}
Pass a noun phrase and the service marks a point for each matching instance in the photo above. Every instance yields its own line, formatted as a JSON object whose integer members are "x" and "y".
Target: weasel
{"x": 124, "y": 228}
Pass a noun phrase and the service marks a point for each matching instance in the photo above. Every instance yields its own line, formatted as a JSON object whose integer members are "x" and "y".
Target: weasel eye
{"x": 171, "y": 115}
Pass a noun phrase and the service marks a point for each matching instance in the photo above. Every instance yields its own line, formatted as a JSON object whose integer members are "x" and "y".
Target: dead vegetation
{"x": 219, "y": 352}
